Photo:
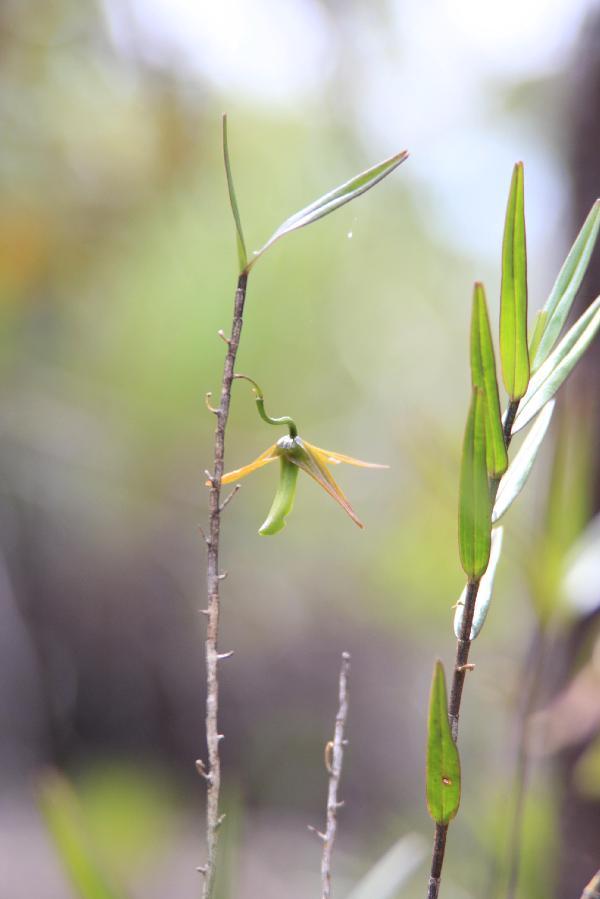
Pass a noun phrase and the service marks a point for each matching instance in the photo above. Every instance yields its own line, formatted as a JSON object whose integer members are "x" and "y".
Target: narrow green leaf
{"x": 443, "y": 763}
{"x": 62, "y": 815}
{"x": 559, "y": 365}
{"x": 513, "y": 300}
{"x": 541, "y": 317}
{"x": 331, "y": 201}
{"x": 558, "y": 304}
{"x": 484, "y": 593}
{"x": 241, "y": 246}
{"x": 474, "y": 521}
{"x": 483, "y": 376}
{"x": 520, "y": 468}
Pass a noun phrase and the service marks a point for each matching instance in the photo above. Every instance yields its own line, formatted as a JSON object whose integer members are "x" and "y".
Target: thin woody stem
{"x": 213, "y": 737}
{"x": 461, "y": 667}
{"x": 334, "y": 757}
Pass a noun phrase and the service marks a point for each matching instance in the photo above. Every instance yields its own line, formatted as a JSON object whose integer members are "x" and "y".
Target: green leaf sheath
{"x": 443, "y": 763}
{"x": 484, "y": 593}
{"x": 559, "y": 365}
{"x": 513, "y": 299}
{"x": 239, "y": 236}
{"x": 553, "y": 316}
{"x": 331, "y": 201}
{"x": 474, "y": 513}
{"x": 63, "y": 818}
{"x": 520, "y": 468}
{"x": 284, "y": 499}
{"x": 483, "y": 375}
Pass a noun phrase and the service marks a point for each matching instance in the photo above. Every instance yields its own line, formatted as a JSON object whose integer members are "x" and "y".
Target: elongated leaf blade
{"x": 520, "y": 468}
{"x": 513, "y": 301}
{"x": 485, "y": 591}
{"x": 239, "y": 235}
{"x": 483, "y": 376}
{"x": 62, "y": 815}
{"x": 392, "y": 870}
{"x": 559, "y": 365}
{"x": 474, "y": 519}
{"x": 569, "y": 279}
{"x": 443, "y": 763}
{"x": 331, "y": 201}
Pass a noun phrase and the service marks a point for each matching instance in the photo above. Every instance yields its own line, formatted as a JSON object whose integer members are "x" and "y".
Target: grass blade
{"x": 513, "y": 301}
{"x": 559, "y": 303}
{"x": 389, "y": 874}
{"x": 483, "y": 376}
{"x": 241, "y": 246}
{"x": 474, "y": 520}
{"x": 331, "y": 201}
{"x": 520, "y": 468}
{"x": 485, "y": 591}
{"x": 443, "y": 763}
{"x": 559, "y": 365}
{"x": 61, "y": 812}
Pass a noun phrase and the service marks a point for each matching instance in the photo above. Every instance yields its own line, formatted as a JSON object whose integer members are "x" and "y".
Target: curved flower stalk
{"x": 295, "y": 454}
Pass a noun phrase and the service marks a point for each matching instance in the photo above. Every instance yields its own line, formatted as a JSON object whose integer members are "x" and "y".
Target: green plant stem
{"x": 213, "y": 578}
{"x": 461, "y": 666}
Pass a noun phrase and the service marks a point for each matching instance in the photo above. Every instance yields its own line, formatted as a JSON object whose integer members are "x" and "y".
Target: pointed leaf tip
{"x": 332, "y": 200}
{"x": 241, "y": 246}
{"x": 513, "y": 301}
{"x": 443, "y": 763}
{"x": 483, "y": 376}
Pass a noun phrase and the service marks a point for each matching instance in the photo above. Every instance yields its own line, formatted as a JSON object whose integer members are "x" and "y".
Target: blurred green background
{"x": 118, "y": 267}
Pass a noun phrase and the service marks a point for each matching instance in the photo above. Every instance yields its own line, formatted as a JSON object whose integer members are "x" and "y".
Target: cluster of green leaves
{"x": 532, "y": 371}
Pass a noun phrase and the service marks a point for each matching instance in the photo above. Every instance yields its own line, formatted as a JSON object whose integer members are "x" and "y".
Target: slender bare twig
{"x": 334, "y": 758}
{"x": 592, "y": 890}
{"x": 461, "y": 667}
{"x": 213, "y": 578}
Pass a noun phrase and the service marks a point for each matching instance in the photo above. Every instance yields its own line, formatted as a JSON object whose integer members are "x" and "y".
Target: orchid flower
{"x": 295, "y": 454}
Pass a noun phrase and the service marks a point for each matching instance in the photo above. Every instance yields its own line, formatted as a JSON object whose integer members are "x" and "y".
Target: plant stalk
{"x": 213, "y": 577}
{"x": 334, "y": 757}
{"x": 463, "y": 647}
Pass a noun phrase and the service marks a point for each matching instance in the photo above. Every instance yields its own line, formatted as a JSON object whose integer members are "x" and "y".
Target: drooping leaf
{"x": 513, "y": 300}
{"x": 483, "y": 376}
{"x": 333, "y": 200}
{"x": 62, "y": 814}
{"x": 558, "y": 304}
{"x": 443, "y": 763}
{"x": 239, "y": 236}
{"x": 559, "y": 365}
{"x": 474, "y": 519}
{"x": 520, "y": 468}
{"x": 484, "y": 593}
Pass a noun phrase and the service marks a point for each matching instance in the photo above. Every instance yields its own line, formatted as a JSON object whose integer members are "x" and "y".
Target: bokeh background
{"x": 117, "y": 268}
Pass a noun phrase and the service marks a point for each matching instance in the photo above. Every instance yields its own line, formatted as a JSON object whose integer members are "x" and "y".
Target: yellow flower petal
{"x": 311, "y": 462}
{"x": 340, "y": 457}
{"x": 269, "y": 455}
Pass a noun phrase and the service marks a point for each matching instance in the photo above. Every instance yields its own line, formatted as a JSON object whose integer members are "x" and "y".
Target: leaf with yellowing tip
{"x": 558, "y": 305}
{"x": 474, "y": 512}
{"x": 443, "y": 762}
{"x": 483, "y": 375}
{"x": 269, "y": 455}
{"x": 241, "y": 246}
{"x": 331, "y": 201}
{"x": 313, "y": 461}
{"x": 514, "y": 352}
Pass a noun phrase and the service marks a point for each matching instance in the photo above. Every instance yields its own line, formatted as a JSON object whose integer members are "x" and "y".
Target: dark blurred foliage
{"x": 117, "y": 268}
